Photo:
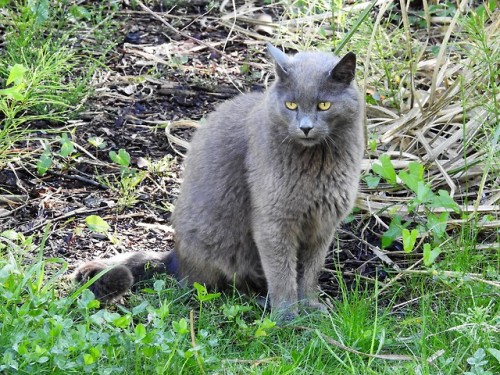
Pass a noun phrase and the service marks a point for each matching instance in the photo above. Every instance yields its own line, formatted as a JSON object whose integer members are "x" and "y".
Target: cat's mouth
{"x": 307, "y": 137}
{"x": 308, "y": 141}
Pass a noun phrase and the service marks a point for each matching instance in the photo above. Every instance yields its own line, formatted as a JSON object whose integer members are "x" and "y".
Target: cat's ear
{"x": 281, "y": 60}
{"x": 345, "y": 69}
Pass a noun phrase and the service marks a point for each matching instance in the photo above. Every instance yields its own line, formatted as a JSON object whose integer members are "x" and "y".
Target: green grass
{"x": 439, "y": 318}
{"x": 440, "y": 324}
{"x": 53, "y": 73}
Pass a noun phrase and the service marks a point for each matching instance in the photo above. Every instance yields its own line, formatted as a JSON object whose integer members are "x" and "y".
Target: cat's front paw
{"x": 312, "y": 305}
{"x": 284, "y": 316}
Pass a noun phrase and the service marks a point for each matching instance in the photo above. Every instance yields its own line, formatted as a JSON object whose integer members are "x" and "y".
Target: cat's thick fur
{"x": 264, "y": 188}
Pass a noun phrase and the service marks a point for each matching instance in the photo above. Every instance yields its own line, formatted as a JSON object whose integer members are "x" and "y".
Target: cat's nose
{"x": 305, "y": 130}
{"x": 306, "y": 125}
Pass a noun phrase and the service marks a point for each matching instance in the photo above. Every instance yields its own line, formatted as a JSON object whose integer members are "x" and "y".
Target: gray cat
{"x": 267, "y": 180}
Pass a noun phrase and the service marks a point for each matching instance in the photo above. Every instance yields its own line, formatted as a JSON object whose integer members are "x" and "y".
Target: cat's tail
{"x": 125, "y": 270}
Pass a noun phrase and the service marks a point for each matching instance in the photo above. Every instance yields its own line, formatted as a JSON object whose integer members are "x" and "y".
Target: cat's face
{"x": 314, "y": 99}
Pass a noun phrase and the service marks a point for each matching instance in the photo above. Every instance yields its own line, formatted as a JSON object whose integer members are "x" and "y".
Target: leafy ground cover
{"x": 97, "y": 105}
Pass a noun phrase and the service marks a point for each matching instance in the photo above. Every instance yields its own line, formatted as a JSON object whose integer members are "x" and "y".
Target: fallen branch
{"x": 85, "y": 180}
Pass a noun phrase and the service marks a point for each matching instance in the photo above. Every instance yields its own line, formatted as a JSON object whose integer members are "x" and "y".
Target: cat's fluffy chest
{"x": 299, "y": 183}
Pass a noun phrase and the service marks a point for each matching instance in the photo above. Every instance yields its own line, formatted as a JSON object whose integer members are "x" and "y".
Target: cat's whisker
{"x": 329, "y": 141}
{"x": 286, "y": 138}
{"x": 332, "y": 141}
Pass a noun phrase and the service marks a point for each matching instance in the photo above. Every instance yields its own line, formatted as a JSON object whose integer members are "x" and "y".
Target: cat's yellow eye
{"x": 323, "y": 106}
{"x": 291, "y": 105}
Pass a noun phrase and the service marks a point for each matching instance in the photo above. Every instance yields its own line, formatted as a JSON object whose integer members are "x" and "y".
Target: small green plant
{"x": 9, "y": 97}
{"x": 122, "y": 158}
{"x": 98, "y": 142}
{"x": 45, "y": 161}
{"x": 477, "y": 363}
{"x": 423, "y": 200}
{"x": 49, "y": 157}
{"x": 16, "y": 242}
{"x": 203, "y": 296}
{"x": 16, "y": 78}
{"x": 163, "y": 166}
{"x": 263, "y": 327}
{"x": 98, "y": 225}
{"x": 129, "y": 179}
{"x": 234, "y": 314}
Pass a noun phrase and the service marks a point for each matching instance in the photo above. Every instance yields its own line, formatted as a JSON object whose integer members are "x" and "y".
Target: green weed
{"x": 126, "y": 184}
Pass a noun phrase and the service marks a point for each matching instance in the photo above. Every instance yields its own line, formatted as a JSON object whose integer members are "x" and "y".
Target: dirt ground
{"x": 130, "y": 108}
